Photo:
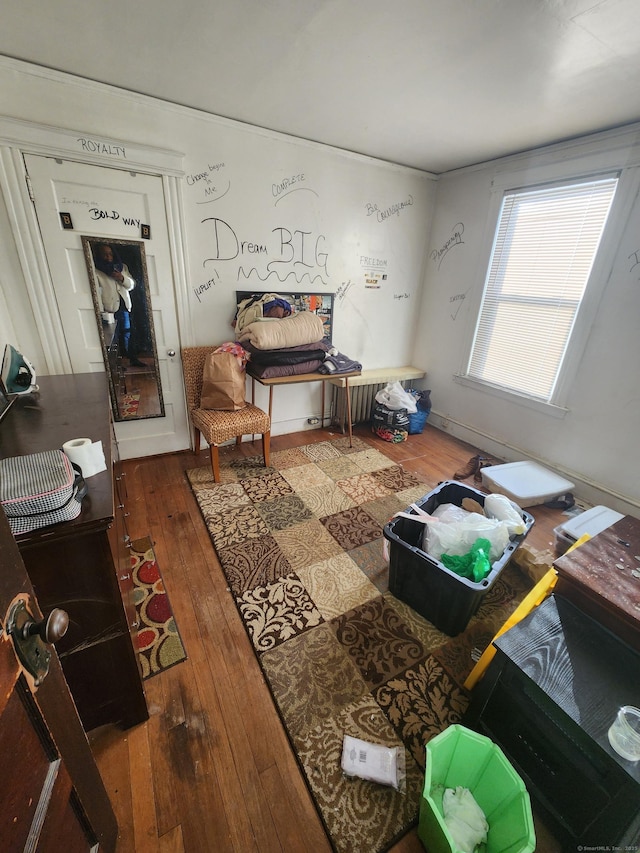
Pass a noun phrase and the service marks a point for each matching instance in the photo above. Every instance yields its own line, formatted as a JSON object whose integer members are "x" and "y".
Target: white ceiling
{"x": 434, "y": 84}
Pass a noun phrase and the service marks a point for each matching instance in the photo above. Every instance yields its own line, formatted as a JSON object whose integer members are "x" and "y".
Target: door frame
{"x": 19, "y": 137}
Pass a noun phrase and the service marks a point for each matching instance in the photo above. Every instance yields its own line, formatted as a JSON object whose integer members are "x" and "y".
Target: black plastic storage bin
{"x": 444, "y": 598}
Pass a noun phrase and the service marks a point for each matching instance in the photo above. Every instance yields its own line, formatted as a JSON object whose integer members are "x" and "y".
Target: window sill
{"x": 511, "y": 396}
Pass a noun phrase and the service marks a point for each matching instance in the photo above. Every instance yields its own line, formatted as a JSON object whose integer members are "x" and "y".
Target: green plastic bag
{"x": 474, "y": 565}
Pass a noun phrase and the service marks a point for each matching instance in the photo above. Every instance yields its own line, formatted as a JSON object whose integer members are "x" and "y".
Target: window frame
{"x": 502, "y": 185}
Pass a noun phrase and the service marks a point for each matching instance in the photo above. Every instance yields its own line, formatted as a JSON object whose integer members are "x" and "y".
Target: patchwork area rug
{"x": 300, "y": 544}
{"x": 158, "y": 642}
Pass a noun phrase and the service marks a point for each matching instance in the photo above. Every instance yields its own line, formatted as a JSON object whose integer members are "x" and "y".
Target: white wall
{"x": 259, "y": 211}
{"x": 16, "y": 316}
{"x": 594, "y": 441}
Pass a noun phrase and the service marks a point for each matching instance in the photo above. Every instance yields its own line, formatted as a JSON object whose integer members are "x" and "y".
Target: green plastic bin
{"x": 461, "y": 757}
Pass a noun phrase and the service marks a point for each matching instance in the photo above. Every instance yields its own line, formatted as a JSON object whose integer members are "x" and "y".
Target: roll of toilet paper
{"x": 87, "y": 454}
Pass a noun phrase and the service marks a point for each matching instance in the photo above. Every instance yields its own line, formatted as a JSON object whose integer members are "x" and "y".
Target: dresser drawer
{"x": 571, "y": 774}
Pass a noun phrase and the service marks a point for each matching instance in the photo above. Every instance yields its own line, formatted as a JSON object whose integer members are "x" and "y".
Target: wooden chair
{"x": 217, "y": 425}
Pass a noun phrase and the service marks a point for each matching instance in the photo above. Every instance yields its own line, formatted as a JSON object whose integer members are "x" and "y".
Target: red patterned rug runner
{"x": 158, "y": 642}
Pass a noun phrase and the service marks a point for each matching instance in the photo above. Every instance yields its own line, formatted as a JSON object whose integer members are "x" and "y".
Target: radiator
{"x": 363, "y": 398}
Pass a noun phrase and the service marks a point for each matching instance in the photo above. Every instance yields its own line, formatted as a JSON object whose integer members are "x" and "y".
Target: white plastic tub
{"x": 591, "y": 521}
{"x": 526, "y": 483}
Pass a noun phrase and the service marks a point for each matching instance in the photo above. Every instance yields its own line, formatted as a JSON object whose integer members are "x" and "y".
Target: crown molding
{"x": 34, "y": 138}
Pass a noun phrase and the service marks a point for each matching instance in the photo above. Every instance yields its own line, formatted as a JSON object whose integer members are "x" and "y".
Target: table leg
{"x": 253, "y": 401}
{"x": 348, "y": 393}
{"x": 322, "y": 404}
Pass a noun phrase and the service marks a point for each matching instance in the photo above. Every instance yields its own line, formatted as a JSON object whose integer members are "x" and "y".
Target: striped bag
{"x": 40, "y": 489}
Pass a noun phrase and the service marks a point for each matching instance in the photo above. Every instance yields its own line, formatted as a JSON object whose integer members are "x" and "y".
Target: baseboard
{"x": 585, "y": 490}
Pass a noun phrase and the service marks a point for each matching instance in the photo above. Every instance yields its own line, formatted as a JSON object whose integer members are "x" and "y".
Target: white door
{"x": 114, "y": 204}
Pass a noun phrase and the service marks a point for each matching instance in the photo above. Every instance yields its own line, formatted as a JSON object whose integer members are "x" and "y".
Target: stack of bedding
{"x": 284, "y": 346}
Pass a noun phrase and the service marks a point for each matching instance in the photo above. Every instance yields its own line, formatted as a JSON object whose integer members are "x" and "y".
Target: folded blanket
{"x": 288, "y": 355}
{"x": 273, "y": 371}
{"x": 301, "y": 328}
{"x": 264, "y": 356}
{"x": 337, "y": 362}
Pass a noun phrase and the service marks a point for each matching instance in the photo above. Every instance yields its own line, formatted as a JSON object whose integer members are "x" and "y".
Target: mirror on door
{"x": 120, "y": 289}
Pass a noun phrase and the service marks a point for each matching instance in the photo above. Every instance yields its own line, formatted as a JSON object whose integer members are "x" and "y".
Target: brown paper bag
{"x": 223, "y": 382}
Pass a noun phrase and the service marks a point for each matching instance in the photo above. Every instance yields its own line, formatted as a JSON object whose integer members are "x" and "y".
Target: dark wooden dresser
{"x": 548, "y": 698}
{"x": 83, "y": 566}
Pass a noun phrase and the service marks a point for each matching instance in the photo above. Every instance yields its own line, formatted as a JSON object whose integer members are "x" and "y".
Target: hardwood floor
{"x": 212, "y": 771}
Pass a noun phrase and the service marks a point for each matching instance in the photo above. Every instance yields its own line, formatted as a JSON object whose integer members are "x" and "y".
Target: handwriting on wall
{"x": 298, "y": 255}
{"x": 289, "y": 185}
{"x": 457, "y": 301}
{"x": 210, "y": 184}
{"x": 65, "y": 201}
{"x": 95, "y": 146}
{"x": 344, "y": 288}
{"x": 438, "y": 255}
{"x": 634, "y": 257}
{"x": 97, "y": 213}
{"x": 373, "y": 263}
{"x": 393, "y": 210}
{"x": 203, "y": 288}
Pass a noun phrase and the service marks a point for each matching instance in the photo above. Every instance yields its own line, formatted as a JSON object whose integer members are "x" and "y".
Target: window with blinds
{"x": 545, "y": 245}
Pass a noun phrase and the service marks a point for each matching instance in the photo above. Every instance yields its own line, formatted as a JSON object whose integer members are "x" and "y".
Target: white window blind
{"x": 545, "y": 245}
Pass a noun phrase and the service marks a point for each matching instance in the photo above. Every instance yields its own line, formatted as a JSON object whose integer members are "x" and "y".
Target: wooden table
{"x": 599, "y": 578}
{"x": 305, "y": 377}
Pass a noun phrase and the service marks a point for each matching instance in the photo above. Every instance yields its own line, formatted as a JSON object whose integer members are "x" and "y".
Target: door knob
{"x": 171, "y": 353}
{"x": 50, "y": 630}
{"x": 29, "y": 637}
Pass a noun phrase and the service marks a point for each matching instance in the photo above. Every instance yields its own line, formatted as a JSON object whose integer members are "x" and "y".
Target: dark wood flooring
{"x": 212, "y": 770}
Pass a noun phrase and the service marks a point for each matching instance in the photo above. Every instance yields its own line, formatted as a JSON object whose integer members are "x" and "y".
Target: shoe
{"x": 472, "y": 467}
{"x": 483, "y": 462}
{"x": 561, "y": 502}
{"x": 135, "y": 362}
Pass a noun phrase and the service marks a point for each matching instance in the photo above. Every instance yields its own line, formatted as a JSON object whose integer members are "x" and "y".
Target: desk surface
{"x": 379, "y": 375}
{"x": 602, "y": 570}
{"x": 66, "y": 407}
{"x": 301, "y": 377}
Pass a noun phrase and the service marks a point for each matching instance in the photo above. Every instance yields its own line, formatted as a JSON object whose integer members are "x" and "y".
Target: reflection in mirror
{"x": 120, "y": 289}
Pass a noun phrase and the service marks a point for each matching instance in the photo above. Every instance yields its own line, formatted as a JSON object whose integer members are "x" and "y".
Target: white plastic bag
{"x": 499, "y": 506}
{"x": 458, "y": 537}
{"x": 395, "y": 397}
{"x": 448, "y": 513}
{"x": 464, "y": 819}
{"x": 420, "y": 516}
